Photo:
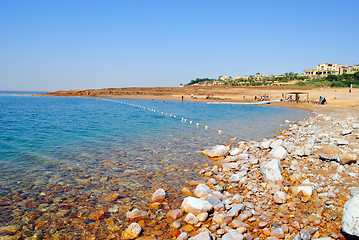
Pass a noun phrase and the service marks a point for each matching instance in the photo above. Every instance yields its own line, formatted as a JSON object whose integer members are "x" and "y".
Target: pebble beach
{"x": 302, "y": 184}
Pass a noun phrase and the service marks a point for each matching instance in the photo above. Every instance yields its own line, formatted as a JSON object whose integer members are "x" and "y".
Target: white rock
{"x": 202, "y": 236}
{"x": 342, "y": 142}
{"x": 354, "y": 191}
{"x": 278, "y": 152}
{"x": 345, "y": 132}
{"x": 216, "y": 203}
{"x": 237, "y": 198}
{"x": 302, "y": 151}
{"x": 289, "y": 146}
{"x": 230, "y": 166}
{"x": 233, "y": 236}
{"x": 276, "y": 143}
{"x": 280, "y": 197}
{"x": 272, "y": 170}
{"x": 191, "y": 219}
{"x": 235, "y": 151}
{"x": 265, "y": 144}
{"x": 132, "y": 232}
{"x": 202, "y": 217}
{"x": 182, "y": 236}
{"x": 234, "y": 211}
{"x": 196, "y": 205}
{"x": 201, "y": 190}
{"x": 350, "y": 220}
{"x": 218, "y": 151}
{"x": 159, "y": 195}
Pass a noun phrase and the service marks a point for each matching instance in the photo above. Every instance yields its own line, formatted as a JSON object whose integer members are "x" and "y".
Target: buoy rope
{"x": 169, "y": 115}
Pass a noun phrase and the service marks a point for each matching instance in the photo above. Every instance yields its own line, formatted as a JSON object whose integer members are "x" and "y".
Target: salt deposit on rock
{"x": 202, "y": 236}
{"x": 271, "y": 171}
{"x": 280, "y": 197}
{"x": 133, "y": 231}
{"x": 345, "y": 132}
{"x": 278, "y": 152}
{"x": 265, "y": 144}
{"x": 191, "y": 219}
{"x": 202, "y": 190}
{"x": 350, "y": 220}
{"x": 182, "y": 236}
{"x": 136, "y": 214}
{"x": 233, "y": 236}
{"x": 196, "y": 205}
{"x": 218, "y": 151}
{"x": 159, "y": 195}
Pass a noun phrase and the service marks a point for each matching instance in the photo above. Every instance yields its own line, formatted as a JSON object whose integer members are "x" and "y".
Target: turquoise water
{"x": 51, "y": 146}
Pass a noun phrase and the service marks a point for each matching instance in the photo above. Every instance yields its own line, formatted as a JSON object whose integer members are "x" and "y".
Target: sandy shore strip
{"x": 334, "y": 96}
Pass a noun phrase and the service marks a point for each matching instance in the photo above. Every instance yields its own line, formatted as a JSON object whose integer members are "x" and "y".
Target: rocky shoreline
{"x": 302, "y": 184}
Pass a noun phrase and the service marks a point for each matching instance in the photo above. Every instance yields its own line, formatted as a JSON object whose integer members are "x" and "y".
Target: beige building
{"x": 325, "y": 69}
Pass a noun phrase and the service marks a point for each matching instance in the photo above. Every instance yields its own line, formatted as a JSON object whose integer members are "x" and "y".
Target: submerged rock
{"x": 159, "y": 195}
{"x": 133, "y": 231}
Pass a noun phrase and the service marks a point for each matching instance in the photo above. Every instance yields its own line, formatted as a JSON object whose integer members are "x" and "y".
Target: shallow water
{"x": 77, "y": 152}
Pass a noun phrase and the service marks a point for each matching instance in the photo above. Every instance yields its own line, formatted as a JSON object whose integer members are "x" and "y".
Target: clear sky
{"x": 82, "y": 44}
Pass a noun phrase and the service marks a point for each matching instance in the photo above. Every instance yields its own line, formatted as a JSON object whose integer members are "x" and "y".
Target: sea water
{"x": 65, "y": 147}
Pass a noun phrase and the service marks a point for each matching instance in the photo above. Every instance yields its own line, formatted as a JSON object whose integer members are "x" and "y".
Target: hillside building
{"x": 325, "y": 69}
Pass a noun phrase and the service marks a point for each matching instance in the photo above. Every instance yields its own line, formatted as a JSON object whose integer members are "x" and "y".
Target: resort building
{"x": 325, "y": 69}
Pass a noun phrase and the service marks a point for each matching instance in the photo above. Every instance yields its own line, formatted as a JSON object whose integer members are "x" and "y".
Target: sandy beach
{"x": 334, "y": 96}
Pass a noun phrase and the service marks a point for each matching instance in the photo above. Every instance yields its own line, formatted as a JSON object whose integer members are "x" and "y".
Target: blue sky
{"x": 82, "y": 44}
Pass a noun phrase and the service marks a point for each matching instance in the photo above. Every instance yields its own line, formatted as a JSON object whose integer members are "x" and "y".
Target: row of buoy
{"x": 166, "y": 114}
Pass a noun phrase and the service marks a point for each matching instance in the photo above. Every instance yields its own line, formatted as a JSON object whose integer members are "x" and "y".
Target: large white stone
{"x": 182, "y": 236}
{"x": 350, "y": 220}
{"x": 272, "y": 170}
{"x": 202, "y": 236}
{"x": 196, "y": 205}
{"x": 278, "y": 152}
{"x": 218, "y": 151}
{"x": 201, "y": 190}
{"x": 233, "y": 236}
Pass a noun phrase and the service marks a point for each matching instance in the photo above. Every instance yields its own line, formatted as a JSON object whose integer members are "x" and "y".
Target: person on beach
{"x": 320, "y": 99}
{"x": 182, "y": 98}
